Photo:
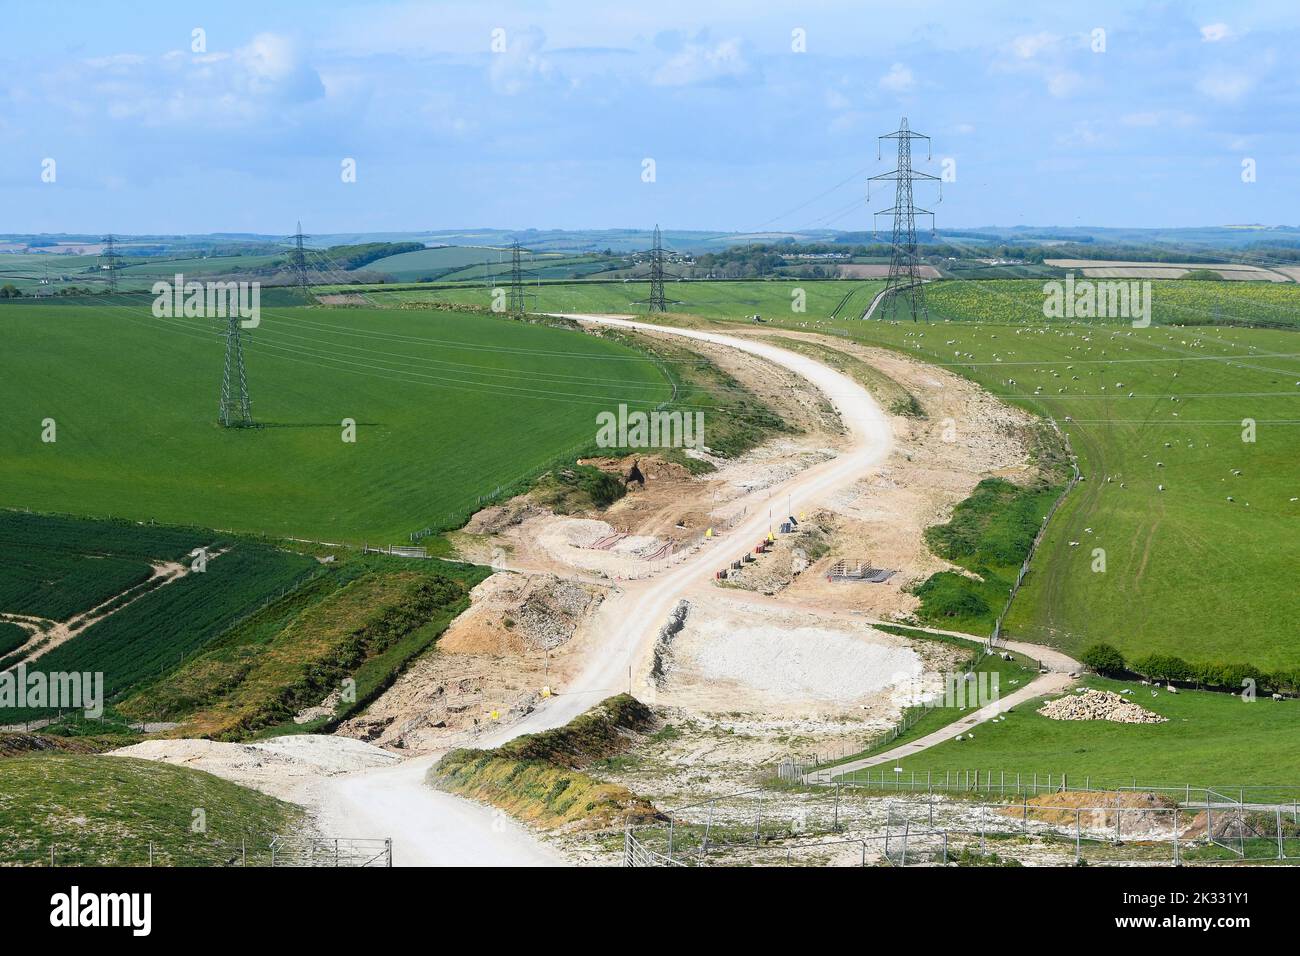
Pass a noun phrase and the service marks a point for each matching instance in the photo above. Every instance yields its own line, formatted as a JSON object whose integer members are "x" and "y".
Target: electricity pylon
{"x": 904, "y": 293}
{"x": 517, "y": 299}
{"x": 298, "y": 260}
{"x": 657, "y": 301}
{"x": 109, "y": 260}
{"x": 236, "y": 410}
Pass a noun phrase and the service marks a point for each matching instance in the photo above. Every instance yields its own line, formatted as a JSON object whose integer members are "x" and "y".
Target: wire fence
{"x": 844, "y": 827}
{"x": 995, "y": 638}
{"x": 1011, "y": 783}
{"x": 276, "y": 851}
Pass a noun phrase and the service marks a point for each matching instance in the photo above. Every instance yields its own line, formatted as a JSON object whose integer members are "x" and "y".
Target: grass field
{"x": 447, "y": 406}
{"x": 1173, "y": 302}
{"x": 105, "y": 811}
{"x": 1196, "y": 569}
{"x": 1209, "y": 740}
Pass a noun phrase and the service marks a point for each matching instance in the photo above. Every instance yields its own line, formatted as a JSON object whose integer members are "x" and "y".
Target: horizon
{"x": 543, "y": 116}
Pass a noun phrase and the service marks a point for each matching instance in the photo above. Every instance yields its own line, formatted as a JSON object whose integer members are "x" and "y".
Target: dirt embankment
{"x": 540, "y": 778}
{"x": 491, "y": 666}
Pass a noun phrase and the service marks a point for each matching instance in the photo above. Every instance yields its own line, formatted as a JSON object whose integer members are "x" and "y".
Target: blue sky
{"x": 746, "y": 132}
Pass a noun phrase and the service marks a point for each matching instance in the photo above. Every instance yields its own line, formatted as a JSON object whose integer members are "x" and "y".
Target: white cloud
{"x": 835, "y": 100}
{"x": 1214, "y": 32}
{"x": 1063, "y": 83}
{"x": 899, "y": 79}
{"x": 273, "y": 66}
{"x": 697, "y": 63}
{"x": 1154, "y": 118}
{"x": 1030, "y": 45}
{"x": 1225, "y": 87}
{"x": 522, "y": 64}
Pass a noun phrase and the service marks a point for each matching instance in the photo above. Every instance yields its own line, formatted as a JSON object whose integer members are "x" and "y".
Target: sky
{"x": 235, "y": 116}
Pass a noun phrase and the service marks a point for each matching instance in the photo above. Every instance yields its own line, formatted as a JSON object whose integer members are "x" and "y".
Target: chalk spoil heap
{"x": 1099, "y": 705}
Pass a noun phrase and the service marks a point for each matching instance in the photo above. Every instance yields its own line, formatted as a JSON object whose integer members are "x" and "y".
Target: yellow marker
{"x": 546, "y": 692}
{"x": 709, "y": 533}
{"x": 495, "y": 715}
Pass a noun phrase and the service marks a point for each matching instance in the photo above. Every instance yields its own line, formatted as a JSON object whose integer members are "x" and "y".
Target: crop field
{"x": 1209, "y": 739}
{"x": 365, "y": 618}
{"x": 447, "y": 407}
{"x": 155, "y": 633}
{"x": 11, "y": 637}
{"x": 437, "y": 262}
{"x": 714, "y": 300}
{"x": 56, "y": 566}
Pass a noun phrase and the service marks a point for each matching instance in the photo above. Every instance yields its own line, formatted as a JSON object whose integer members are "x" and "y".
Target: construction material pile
{"x": 1099, "y": 705}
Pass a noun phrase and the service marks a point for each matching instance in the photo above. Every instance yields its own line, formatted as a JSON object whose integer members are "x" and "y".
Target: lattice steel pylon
{"x": 904, "y": 293}
{"x": 298, "y": 260}
{"x": 657, "y": 302}
{"x": 236, "y": 409}
{"x": 109, "y": 260}
{"x": 517, "y": 298}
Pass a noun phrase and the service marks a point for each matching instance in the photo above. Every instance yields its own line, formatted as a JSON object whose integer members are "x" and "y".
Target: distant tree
{"x": 9, "y": 291}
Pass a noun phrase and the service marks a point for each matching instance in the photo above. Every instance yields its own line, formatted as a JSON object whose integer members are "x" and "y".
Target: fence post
{"x": 1077, "y": 836}
{"x": 151, "y": 852}
{"x": 1280, "y": 854}
{"x": 1175, "y": 836}
{"x": 837, "y": 806}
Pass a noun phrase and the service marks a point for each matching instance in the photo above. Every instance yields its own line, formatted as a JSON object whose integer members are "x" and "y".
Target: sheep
{"x": 1278, "y": 697}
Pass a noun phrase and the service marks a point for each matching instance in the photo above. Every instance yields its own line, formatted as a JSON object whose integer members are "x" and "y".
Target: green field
{"x": 155, "y": 633}
{"x": 714, "y": 300}
{"x": 56, "y": 566}
{"x": 1173, "y": 302}
{"x": 437, "y": 262}
{"x": 11, "y": 637}
{"x": 448, "y": 407}
{"x": 1209, "y": 740}
{"x": 365, "y": 618}
{"x": 1187, "y": 571}
{"x": 105, "y": 811}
